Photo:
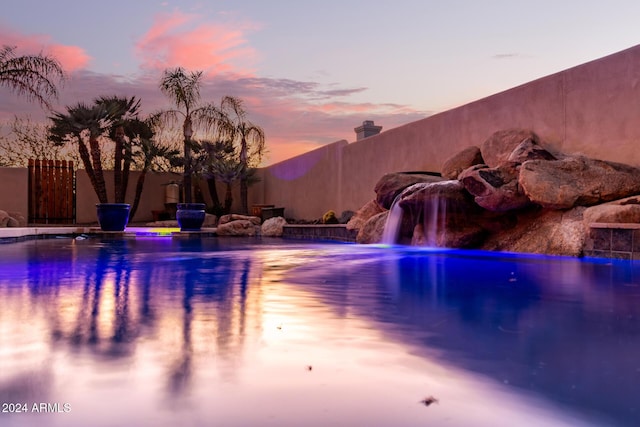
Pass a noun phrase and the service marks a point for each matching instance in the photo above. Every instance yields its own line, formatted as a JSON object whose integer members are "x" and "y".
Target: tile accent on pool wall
{"x": 337, "y": 232}
{"x": 611, "y": 240}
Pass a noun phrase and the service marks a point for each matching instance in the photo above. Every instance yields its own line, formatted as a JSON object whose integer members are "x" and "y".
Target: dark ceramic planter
{"x": 113, "y": 216}
{"x": 190, "y": 216}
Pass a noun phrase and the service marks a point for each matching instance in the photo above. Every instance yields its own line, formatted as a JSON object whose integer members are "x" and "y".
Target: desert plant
{"x": 148, "y": 151}
{"x": 250, "y": 138}
{"x": 330, "y": 218}
{"x": 32, "y": 76}
{"x": 85, "y": 125}
{"x": 184, "y": 90}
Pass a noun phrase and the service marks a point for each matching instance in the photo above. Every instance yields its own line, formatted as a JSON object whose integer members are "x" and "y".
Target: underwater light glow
{"x": 154, "y": 231}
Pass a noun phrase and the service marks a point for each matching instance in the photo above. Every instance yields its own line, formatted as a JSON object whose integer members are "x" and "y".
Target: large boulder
{"x": 392, "y": 184}
{"x": 238, "y": 227}
{"x": 552, "y": 232}
{"x": 372, "y": 230}
{"x": 362, "y": 215}
{"x": 273, "y": 227}
{"x": 498, "y": 147}
{"x": 625, "y": 210}
{"x": 17, "y": 219}
{"x": 461, "y": 161}
{"x": 4, "y": 218}
{"x": 577, "y": 181}
{"x": 224, "y": 219}
{"x": 495, "y": 189}
{"x": 529, "y": 149}
{"x": 444, "y": 212}
{"x": 469, "y": 236}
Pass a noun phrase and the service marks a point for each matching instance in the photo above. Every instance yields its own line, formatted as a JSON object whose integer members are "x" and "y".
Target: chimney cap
{"x": 368, "y": 128}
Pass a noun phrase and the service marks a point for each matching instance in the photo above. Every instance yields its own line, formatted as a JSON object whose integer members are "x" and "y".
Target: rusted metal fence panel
{"x": 52, "y": 189}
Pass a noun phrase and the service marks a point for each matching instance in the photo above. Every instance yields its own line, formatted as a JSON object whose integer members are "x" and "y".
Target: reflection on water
{"x": 160, "y": 331}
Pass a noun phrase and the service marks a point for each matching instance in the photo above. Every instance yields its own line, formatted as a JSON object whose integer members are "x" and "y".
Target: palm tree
{"x": 125, "y": 128}
{"x": 32, "y": 76}
{"x": 220, "y": 163}
{"x": 82, "y": 122}
{"x": 184, "y": 90}
{"x": 236, "y": 127}
{"x": 227, "y": 170}
{"x": 149, "y": 151}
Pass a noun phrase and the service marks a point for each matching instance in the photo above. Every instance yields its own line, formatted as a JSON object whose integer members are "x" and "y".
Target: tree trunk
{"x": 228, "y": 199}
{"x": 86, "y": 161}
{"x": 243, "y": 178}
{"x": 117, "y": 168}
{"x": 100, "y": 187}
{"x": 244, "y": 195}
{"x": 188, "y": 132}
{"x": 136, "y": 200}
{"x": 213, "y": 192}
{"x": 125, "y": 175}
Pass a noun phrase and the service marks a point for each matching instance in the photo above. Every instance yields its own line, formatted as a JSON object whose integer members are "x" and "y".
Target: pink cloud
{"x": 297, "y": 116}
{"x": 178, "y": 39}
{"x": 72, "y": 58}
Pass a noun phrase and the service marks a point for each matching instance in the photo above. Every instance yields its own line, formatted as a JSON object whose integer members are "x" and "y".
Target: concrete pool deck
{"x": 605, "y": 240}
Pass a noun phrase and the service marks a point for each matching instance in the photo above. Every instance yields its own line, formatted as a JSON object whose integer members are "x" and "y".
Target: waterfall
{"x": 434, "y": 217}
{"x": 427, "y": 204}
{"x": 393, "y": 223}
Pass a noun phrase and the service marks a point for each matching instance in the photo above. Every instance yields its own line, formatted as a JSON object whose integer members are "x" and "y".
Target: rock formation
{"x": 273, "y": 227}
{"x": 12, "y": 219}
{"x": 465, "y": 159}
{"x": 238, "y": 225}
{"x": 392, "y": 184}
{"x": 511, "y": 194}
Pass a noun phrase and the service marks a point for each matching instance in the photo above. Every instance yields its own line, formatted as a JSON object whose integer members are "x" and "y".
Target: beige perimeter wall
{"x": 592, "y": 109}
{"x": 13, "y": 190}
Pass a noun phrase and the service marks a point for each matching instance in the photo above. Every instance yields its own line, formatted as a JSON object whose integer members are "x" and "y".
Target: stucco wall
{"x": 307, "y": 185}
{"x": 13, "y": 191}
{"x": 592, "y": 109}
{"x": 152, "y": 195}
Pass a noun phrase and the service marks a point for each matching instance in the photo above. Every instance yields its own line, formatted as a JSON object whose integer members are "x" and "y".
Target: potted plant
{"x": 88, "y": 126}
{"x": 189, "y": 214}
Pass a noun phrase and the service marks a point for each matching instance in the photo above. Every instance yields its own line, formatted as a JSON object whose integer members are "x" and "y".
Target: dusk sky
{"x": 310, "y": 72}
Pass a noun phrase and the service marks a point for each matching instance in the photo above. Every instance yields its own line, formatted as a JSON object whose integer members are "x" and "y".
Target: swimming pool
{"x": 230, "y": 332}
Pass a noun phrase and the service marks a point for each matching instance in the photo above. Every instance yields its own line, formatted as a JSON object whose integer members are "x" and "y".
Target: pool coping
{"x": 604, "y": 240}
{"x": 14, "y": 234}
{"x": 337, "y": 232}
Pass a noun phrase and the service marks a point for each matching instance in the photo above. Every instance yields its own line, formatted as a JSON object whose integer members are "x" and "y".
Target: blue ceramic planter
{"x": 190, "y": 216}
{"x": 113, "y": 216}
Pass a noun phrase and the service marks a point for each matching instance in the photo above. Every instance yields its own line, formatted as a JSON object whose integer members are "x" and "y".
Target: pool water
{"x": 236, "y": 332}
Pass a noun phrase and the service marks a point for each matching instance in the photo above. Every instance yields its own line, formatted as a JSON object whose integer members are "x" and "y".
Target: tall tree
{"x": 248, "y": 136}
{"x": 220, "y": 162}
{"x": 32, "y": 76}
{"x": 84, "y": 123}
{"x": 147, "y": 152}
{"x": 125, "y": 128}
{"x": 183, "y": 88}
